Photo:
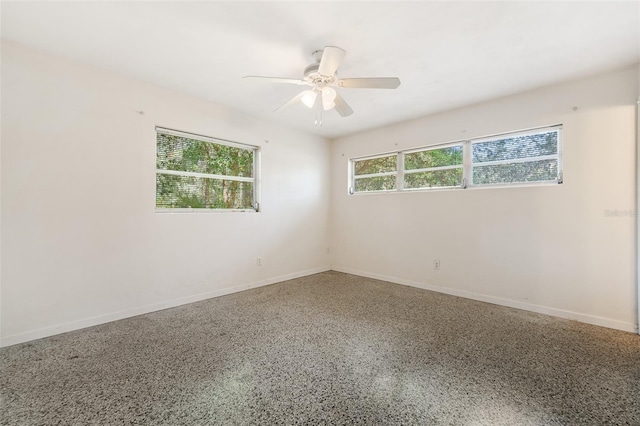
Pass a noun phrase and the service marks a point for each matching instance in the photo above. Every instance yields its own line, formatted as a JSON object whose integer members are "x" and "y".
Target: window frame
{"x": 433, "y": 169}
{"x": 539, "y": 130}
{"x": 466, "y": 166}
{"x": 354, "y": 177}
{"x": 217, "y": 141}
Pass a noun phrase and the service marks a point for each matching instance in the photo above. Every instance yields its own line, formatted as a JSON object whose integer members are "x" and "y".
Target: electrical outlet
{"x": 436, "y": 264}
{"x": 259, "y": 261}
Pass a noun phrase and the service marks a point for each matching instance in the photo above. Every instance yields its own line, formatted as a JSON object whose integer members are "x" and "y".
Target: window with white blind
{"x": 517, "y": 158}
{"x": 200, "y": 172}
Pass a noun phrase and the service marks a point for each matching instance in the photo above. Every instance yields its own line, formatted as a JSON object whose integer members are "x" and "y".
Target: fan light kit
{"x": 322, "y": 77}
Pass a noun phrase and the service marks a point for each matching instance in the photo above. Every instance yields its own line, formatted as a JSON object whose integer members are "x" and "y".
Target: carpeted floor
{"x": 327, "y": 349}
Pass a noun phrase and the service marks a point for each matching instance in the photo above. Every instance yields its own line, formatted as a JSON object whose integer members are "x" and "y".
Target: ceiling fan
{"x": 321, "y": 76}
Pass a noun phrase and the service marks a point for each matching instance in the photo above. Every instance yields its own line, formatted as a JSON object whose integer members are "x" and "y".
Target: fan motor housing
{"x": 312, "y": 75}
{"x": 311, "y": 69}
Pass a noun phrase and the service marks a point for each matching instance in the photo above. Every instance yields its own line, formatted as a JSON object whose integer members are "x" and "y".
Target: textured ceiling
{"x": 447, "y": 54}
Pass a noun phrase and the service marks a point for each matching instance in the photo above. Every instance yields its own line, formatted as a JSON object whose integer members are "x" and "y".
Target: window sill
{"x": 457, "y": 188}
{"x": 199, "y": 211}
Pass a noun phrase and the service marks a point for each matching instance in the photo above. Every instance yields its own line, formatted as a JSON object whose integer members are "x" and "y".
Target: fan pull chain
{"x": 318, "y": 114}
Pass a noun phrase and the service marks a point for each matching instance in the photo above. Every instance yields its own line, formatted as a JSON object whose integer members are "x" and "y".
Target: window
{"x": 375, "y": 173}
{"x": 516, "y": 158}
{"x": 433, "y": 168}
{"x": 199, "y": 172}
{"x": 519, "y": 158}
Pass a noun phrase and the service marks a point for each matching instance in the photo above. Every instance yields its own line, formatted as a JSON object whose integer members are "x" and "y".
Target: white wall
{"x": 638, "y": 195}
{"x": 81, "y": 243}
{"x": 549, "y": 249}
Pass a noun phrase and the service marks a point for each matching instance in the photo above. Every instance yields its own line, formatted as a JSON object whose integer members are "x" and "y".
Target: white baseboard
{"x": 586, "y": 318}
{"x": 101, "y": 319}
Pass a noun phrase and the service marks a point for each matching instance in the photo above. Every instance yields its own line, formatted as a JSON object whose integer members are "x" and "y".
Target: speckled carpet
{"x": 331, "y": 349}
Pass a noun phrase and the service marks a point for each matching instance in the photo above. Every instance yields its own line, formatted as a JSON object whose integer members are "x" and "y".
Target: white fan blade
{"x": 342, "y": 107}
{"x": 331, "y": 59}
{"x": 295, "y": 99}
{"x": 369, "y": 83}
{"x": 279, "y": 80}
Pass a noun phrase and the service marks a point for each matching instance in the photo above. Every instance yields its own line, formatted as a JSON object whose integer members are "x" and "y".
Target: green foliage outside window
{"x": 433, "y": 179}
{"x": 450, "y": 156}
{"x": 373, "y": 166}
{"x": 442, "y": 157}
{"x": 181, "y": 154}
{"x": 376, "y": 165}
{"x": 376, "y": 183}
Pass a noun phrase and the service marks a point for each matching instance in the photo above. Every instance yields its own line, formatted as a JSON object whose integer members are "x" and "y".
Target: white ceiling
{"x": 447, "y": 54}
